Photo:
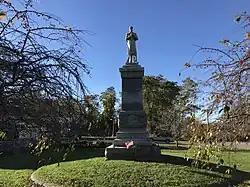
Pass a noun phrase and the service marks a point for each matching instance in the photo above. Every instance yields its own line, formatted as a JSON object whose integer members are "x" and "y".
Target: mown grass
{"x": 15, "y": 170}
{"x": 98, "y": 172}
{"x": 87, "y": 167}
{"x": 239, "y": 158}
{"x": 15, "y": 178}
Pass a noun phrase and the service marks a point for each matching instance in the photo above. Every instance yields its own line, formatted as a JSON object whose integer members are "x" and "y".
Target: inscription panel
{"x": 132, "y": 101}
{"x": 132, "y": 85}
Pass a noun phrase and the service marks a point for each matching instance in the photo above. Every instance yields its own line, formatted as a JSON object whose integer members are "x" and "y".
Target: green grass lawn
{"x": 98, "y": 172}
{"x": 15, "y": 170}
{"x": 15, "y": 178}
{"x": 240, "y": 158}
{"x": 87, "y": 167}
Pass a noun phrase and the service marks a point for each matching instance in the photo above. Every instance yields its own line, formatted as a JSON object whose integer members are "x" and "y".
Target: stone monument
{"x": 132, "y": 119}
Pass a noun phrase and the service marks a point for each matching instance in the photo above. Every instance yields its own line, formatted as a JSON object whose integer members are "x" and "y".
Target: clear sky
{"x": 167, "y": 30}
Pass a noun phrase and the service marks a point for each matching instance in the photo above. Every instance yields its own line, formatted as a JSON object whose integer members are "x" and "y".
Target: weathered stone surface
{"x": 132, "y": 119}
{"x": 131, "y": 84}
{"x": 132, "y": 101}
{"x": 144, "y": 153}
{"x": 132, "y": 127}
{"x": 132, "y": 71}
{"x": 137, "y": 141}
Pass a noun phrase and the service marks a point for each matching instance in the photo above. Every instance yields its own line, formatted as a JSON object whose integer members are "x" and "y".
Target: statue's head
{"x": 131, "y": 28}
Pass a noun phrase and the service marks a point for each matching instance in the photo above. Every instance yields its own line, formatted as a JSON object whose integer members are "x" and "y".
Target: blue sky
{"x": 167, "y": 30}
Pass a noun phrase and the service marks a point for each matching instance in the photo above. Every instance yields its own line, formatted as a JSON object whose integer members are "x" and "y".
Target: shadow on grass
{"x": 237, "y": 176}
{"x": 26, "y": 160}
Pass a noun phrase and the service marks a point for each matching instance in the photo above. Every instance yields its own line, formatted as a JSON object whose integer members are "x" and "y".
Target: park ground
{"x": 87, "y": 167}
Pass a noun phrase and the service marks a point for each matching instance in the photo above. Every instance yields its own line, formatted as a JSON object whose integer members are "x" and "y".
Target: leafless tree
{"x": 226, "y": 89}
{"x": 40, "y": 58}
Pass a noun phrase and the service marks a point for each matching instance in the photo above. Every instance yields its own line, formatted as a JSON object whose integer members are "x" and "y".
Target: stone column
{"x": 132, "y": 119}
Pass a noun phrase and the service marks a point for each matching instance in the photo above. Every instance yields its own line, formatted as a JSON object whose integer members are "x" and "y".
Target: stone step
{"x": 133, "y": 130}
{"x": 146, "y": 153}
{"x": 132, "y": 135}
{"x": 137, "y": 141}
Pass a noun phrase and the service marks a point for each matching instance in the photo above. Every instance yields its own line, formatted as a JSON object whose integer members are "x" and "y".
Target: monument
{"x": 132, "y": 139}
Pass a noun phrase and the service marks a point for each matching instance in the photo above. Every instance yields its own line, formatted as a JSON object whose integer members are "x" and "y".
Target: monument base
{"x": 142, "y": 153}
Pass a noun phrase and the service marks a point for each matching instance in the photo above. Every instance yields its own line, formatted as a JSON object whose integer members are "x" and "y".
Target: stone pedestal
{"x": 132, "y": 120}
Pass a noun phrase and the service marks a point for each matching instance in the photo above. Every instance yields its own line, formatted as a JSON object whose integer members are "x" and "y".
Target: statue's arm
{"x": 135, "y": 36}
{"x": 127, "y": 36}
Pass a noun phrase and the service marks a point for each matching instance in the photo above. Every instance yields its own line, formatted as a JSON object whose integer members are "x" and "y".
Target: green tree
{"x": 158, "y": 95}
{"x": 109, "y": 114}
{"x": 91, "y": 114}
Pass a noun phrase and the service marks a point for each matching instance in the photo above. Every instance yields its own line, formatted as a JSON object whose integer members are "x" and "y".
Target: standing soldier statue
{"x": 131, "y": 37}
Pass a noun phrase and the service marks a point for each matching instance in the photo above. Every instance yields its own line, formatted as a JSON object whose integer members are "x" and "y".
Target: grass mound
{"x": 100, "y": 173}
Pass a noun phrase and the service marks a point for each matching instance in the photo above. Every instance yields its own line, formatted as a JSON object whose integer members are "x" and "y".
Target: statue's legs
{"x": 135, "y": 59}
{"x": 127, "y": 61}
{"x": 131, "y": 59}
